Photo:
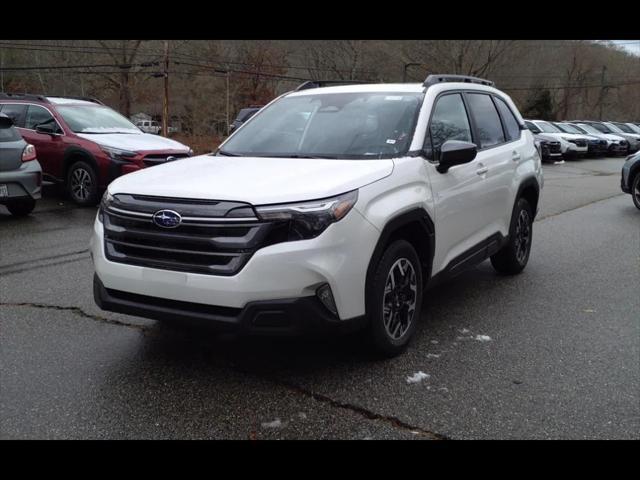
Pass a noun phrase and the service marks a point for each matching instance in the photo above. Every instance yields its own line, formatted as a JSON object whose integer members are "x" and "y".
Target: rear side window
{"x": 9, "y": 134}
{"x": 510, "y": 123}
{"x": 15, "y": 112}
{"x": 39, "y": 116}
{"x": 487, "y": 120}
{"x": 449, "y": 121}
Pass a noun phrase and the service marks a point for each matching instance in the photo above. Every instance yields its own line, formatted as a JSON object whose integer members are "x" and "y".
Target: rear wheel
{"x": 22, "y": 207}
{"x": 635, "y": 190}
{"x": 513, "y": 257}
{"x": 82, "y": 184}
{"x": 395, "y": 299}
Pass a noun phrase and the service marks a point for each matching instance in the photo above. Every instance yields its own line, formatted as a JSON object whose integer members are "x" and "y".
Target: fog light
{"x": 326, "y": 297}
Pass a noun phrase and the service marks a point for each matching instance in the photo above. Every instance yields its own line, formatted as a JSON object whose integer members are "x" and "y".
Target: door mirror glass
{"x": 47, "y": 129}
{"x": 455, "y": 152}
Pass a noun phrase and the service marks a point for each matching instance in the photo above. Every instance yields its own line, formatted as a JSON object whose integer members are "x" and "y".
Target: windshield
{"x": 548, "y": 128}
{"x": 633, "y": 127}
{"x": 568, "y": 128}
{"x": 623, "y": 127}
{"x": 589, "y": 129}
{"x": 95, "y": 119}
{"x": 613, "y": 128}
{"x": 357, "y": 125}
{"x": 602, "y": 127}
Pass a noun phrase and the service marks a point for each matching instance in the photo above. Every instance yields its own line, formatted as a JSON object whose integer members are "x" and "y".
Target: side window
{"x": 487, "y": 120}
{"x": 39, "y": 116}
{"x": 9, "y": 134}
{"x": 449, "y": 121}
{"x": 15, "y": 111}
{"x": 509, "y": 120}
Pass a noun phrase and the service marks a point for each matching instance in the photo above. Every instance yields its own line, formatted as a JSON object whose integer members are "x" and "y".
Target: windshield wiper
{"x": 295, "y": 155}
{"x": 227, "y": 154}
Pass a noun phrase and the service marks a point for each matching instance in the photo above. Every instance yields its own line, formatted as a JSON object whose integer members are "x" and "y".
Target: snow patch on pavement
{"x": 417, "y": 377}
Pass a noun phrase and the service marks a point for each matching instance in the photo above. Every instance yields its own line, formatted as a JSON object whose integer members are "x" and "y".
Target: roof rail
{"x": 326, "y": 83}
{"x": 434, "y": 79}
{"x": 23, "y": 96}
{"x": 86, "y": 99}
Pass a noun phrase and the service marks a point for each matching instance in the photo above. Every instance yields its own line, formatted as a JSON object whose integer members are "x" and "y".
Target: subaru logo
{"x": 171, "y": 158}
{"x": 167, "y": 218}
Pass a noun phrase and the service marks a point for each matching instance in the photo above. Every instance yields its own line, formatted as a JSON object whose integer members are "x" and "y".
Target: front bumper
{"x": 25, "y": 181}
{"x": 282, "y": 317}
{"x": 284, "y": 270}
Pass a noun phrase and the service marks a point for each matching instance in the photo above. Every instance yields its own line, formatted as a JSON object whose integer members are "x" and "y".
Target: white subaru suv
{"x": 332, "y": 209}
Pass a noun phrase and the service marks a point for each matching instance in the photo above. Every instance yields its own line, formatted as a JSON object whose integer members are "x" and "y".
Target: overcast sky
{"x": 632, "y": 46}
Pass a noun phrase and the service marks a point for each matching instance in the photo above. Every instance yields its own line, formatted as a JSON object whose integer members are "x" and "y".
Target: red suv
{"x": 84, "y": 144}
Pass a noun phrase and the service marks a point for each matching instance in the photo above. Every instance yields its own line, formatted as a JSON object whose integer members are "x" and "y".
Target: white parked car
{"x": 332, "y": 209}
{"x": 616, "y": 145}
{"x": 149, "y": 126}
{"x": 572, "y": 145}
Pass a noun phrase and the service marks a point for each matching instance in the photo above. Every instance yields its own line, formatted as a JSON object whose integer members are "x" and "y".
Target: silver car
{"x": 20, "y": 172}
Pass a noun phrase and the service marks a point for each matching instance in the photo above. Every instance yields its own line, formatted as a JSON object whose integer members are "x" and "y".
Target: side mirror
{"x": 5, "y": 122}
{"x": 455, "y": 152}
{"x": 46, "y": 129}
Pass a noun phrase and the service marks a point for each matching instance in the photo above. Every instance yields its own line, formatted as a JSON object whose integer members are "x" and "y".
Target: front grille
{"x": 214, "y": 237}
{"x": 554, "y": 147}
{"x": 579, "y": 142}
{"x": 156, "y": 159}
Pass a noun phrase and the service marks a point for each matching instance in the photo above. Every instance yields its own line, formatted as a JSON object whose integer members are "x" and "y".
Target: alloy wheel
{"x": 522, "y": 238}
{"x": 399, "y": 299}
{"x": 81, "y": 184}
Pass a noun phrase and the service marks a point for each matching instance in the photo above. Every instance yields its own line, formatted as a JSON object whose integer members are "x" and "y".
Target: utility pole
{"x": 165, "y": 104}
{"x": 404, "y": 70}
{"x": 228, "y": 119}
{"x": 1, "y": 70}
{"x": 602, "y": 90}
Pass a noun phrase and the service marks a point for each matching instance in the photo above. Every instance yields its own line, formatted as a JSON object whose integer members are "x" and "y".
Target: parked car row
{"x": 575, "y": 139}
{"x": 83, "y": 144}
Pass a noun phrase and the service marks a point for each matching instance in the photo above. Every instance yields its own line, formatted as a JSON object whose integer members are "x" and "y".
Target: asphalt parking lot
{"x": 551, "y": 353}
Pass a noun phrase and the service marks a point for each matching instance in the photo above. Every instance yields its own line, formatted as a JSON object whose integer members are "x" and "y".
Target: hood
{"x": 614, "y": 136}
{"x": 258, "y": 181}
{"x": 546, "y": 136}
{"x": 135, "y": 142}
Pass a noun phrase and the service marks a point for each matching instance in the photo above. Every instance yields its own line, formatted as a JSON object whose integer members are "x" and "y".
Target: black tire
{"x": 635, "y": 190}
{"x": 513, "y": 257}
{"x": 82, "y": 184}
{"x": 22, "y": 207}
{"x": 404, "y": 303}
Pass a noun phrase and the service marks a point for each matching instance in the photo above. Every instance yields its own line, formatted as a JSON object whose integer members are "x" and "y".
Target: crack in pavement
{"x": 43, "y": 259}
{"x": 77, "y": 311}
{"x": 361, "y": 411}
{"x": 50, "y": 264}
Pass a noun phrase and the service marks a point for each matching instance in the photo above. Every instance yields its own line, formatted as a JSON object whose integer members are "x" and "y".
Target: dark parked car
{"x": 84, "y": 144}
{"x": 20, "y": 172}
{"x": 244, "y": 115}
{"x": 630, "y": 181}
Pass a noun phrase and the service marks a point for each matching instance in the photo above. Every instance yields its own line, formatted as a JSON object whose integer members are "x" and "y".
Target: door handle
{"x": 482, "y": 170}
{"x": 515, "y": 156}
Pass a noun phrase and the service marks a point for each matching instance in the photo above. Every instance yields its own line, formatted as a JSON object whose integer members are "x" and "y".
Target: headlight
{"x": 309, "y": 219}
{"x": 107, "y": 198}
{"x": 118, "y": 154}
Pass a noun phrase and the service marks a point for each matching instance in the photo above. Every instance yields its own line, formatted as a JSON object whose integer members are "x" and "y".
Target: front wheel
{"x": 82, "y": 184}
{"x": 395, "y": 299}
{"x": 22, "y": 207}
{"x": 513, "y": 257}
{"x": 635, "y": 191}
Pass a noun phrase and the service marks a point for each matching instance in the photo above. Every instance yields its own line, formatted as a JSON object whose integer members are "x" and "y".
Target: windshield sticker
{"x": 393, "y": 97}
{"x": 391, "y": 141}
